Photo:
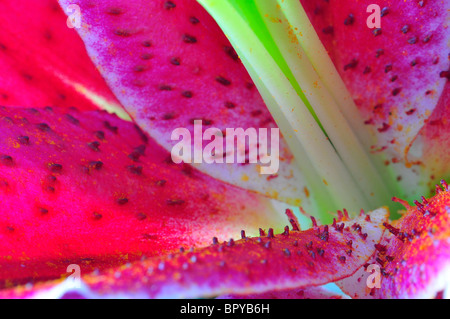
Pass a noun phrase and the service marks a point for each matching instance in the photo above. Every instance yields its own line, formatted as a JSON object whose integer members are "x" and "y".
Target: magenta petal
{"x": 433, "y": 136}
{"x": 396, "y": 74}
{"x": 293, "y": 259}
{"x": 44, "y": 62}
{"x": 93, "y": 190}
{"x": 413, "y": 258}
{"x": 169, "y": 64}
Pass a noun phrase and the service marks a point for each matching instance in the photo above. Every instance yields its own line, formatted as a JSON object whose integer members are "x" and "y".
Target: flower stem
{"x": 356, "y": 158}
{"x": 320, "y": 196}
{"x": 287, "y": 106}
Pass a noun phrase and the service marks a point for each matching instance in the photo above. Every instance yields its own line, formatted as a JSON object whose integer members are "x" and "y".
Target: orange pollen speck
{"x": 306, "y": 191}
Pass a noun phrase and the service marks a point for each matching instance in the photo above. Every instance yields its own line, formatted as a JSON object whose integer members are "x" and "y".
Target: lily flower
{"x": 363, "y": 112}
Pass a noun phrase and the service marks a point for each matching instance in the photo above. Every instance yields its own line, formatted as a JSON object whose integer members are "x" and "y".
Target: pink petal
{"x": 433, "y": 136}
{"x": 169, "y": 64}
{"x": 91, "y": 189}
{"x": 394, "y": 74}
{"x": 43, "y": 62}
{"x": 413, "y": 258}
{"x": 294, "y": 259}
